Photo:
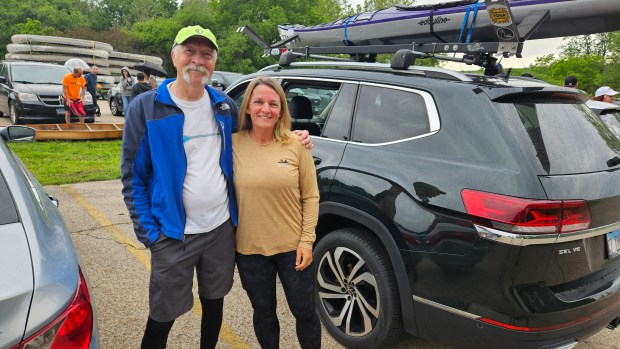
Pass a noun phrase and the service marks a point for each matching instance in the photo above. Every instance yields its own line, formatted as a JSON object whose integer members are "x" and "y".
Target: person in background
{"x": 73, "y": 92}
{"x": 149, "y": 79}
{"x": 91, "y": 87}
{"x": 605, "y": 94}
{"x": 177, "y": 175}
{"x": 278, "y": 196}
{"x": 140, "y": 86}
{"x": 571, "y": 81}
{"x": 125, "y": 86}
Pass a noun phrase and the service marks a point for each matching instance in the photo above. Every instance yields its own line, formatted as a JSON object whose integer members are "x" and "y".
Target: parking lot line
{"x": 233, "y": 340}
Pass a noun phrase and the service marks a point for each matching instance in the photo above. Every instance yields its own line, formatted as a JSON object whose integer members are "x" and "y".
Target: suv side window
{"x": 3, "y": 70}
{"x": 309, "y": 104}
{"x": 338, "y": 123}
{"x": 387, "y": 114}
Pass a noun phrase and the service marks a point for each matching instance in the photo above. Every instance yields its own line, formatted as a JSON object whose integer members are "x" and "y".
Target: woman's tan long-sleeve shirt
{"x": 277, "y": 194}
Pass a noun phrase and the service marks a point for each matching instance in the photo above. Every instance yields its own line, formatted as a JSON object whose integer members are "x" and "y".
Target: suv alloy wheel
{"x": 14, "y": 115}
{"x": 357, "y": 294}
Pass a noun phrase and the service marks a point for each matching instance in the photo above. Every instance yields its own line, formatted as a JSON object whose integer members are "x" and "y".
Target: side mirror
{"x": 2, "y": 79}
{"x": 217, "y": 84}
{"x": 17, "y": 133}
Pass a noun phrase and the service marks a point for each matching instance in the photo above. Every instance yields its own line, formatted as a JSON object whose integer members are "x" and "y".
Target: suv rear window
{"x": 561, "y": 138}
{"x": 386, "y": 115}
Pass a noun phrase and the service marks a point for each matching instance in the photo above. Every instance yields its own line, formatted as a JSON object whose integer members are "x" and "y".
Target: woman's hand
{"x": 304, "y": 258}
{"x": 304, "y": 137}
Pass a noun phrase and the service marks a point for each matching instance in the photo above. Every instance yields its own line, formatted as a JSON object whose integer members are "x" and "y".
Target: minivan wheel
{"x": 357, "y": 296}
{"x": 15, "y": 119}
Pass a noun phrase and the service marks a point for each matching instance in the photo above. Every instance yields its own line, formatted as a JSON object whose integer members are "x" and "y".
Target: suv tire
{"x": 371, "y": 294}
{"x": 15, "y": 119}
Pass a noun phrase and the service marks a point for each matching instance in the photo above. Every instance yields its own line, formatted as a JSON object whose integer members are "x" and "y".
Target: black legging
{"x": 156, "y": 333}
{"x": 258, "y": 277}
{"x": 95, "y": 102}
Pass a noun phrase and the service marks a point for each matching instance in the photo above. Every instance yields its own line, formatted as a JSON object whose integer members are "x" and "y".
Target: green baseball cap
{"x": 195, "y": 30}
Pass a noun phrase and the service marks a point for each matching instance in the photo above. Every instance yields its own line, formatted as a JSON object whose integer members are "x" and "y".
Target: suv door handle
{"x": 317, "y": 160}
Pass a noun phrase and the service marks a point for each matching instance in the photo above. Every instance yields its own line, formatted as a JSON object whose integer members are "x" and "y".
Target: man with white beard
{"x": 176, "y": 170}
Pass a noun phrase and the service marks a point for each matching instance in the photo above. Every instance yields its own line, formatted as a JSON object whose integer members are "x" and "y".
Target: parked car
{"x": 115, "y": 101}
{"x": 609, "y": 113}
{"x": 222, "y": 79}
{"x": 44, "y": 297}
{"x": 475, "y": 211}
{"x": 31, "y": 92}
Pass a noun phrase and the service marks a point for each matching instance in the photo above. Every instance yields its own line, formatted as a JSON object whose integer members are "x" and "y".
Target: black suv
{"x": 31, "y": 92}
{"x": 476, "y": 211}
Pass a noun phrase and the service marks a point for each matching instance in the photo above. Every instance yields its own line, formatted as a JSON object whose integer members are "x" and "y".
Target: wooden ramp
{"x": 77, "y": 131}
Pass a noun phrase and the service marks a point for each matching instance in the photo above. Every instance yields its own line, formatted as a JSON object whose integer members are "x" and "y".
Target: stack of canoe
{"x": 54, "y": 49}
{"x": 119, "y": 60}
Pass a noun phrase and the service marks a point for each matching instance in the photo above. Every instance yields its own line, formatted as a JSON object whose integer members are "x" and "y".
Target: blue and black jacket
{"x": 153, "y": 162}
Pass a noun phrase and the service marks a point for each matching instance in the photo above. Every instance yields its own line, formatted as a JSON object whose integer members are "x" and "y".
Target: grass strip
{"x": 63, "y": 162}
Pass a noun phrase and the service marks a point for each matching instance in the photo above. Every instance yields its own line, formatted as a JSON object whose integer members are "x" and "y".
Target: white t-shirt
{"x": 205, "y": 193}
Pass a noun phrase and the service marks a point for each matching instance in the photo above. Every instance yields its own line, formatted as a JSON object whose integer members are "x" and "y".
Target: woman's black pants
{"x": 258, "y": 277}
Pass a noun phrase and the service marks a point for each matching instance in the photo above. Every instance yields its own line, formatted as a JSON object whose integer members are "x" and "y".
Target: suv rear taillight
{"x": 72, "y": 329}
{"x": 526, "y": 216}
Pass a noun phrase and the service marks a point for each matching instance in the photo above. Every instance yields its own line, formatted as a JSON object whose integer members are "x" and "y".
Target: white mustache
{"x": 197, "y": 68}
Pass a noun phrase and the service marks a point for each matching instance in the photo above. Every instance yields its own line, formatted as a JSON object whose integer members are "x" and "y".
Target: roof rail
{"x": 510, "y": 38}
{"x": 417, "y": 70}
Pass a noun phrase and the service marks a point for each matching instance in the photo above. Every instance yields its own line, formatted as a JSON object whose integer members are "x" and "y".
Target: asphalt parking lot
{"x": 117, "y": 268}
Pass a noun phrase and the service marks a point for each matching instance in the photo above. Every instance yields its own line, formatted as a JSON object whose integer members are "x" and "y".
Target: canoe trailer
{"x": 508, "y": 41}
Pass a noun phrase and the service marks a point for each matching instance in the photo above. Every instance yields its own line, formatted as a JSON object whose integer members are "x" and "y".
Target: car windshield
{"x": 39, "y": 74}
{"x": 561, "y": 138}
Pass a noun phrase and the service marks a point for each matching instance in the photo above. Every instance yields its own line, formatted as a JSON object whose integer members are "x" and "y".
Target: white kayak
{"x": 446, "y": 22}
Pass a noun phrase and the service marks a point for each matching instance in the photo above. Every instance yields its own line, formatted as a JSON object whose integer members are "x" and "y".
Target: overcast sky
{"x": 531, "y": 48}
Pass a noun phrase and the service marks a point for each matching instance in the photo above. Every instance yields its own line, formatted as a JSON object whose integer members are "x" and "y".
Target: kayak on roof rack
{"x": 454, "y": 22}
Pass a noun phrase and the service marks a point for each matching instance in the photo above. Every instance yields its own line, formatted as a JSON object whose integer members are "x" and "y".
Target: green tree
{"x": 59, "y": 15}
{"x": 586, "y": 45}
{"x": 124, "y": 13}
{"x": 594, "y": 57}
{"x": 373, "y": 5}
{"x": 33, "y": 27}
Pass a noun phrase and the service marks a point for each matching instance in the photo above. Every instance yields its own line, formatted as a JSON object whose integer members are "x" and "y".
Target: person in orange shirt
{"x": 73, "y": 91}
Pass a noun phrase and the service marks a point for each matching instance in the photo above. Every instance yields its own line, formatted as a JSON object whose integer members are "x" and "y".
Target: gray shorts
{"x": 172, "y": 270}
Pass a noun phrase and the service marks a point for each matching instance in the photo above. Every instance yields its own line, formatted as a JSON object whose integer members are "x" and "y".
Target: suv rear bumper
{"x": 469, "y": 331}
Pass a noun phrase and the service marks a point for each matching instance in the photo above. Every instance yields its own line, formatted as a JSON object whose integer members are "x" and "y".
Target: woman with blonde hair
{"x": 278, "y": 197}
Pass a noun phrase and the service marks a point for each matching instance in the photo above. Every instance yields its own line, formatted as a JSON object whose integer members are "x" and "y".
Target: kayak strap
{"x": 346, "y": 39}
{"x": 432, "y": 23}
{"x": 466, "y": 19}
{"x": 473, "y": 20}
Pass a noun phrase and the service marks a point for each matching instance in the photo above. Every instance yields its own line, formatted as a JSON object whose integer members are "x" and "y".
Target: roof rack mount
{"x": 474, "y": 53}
